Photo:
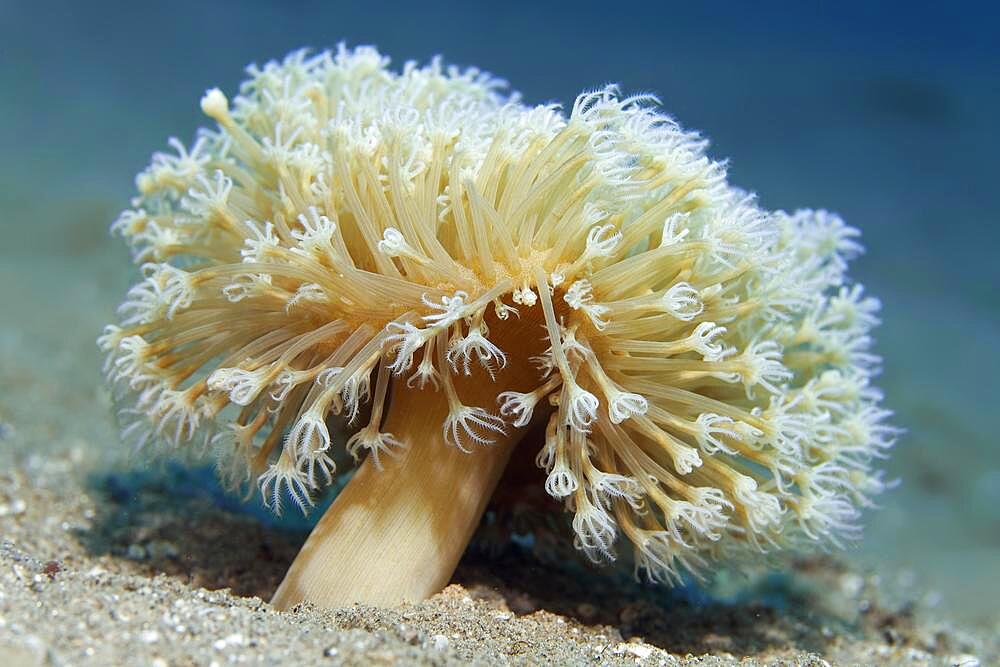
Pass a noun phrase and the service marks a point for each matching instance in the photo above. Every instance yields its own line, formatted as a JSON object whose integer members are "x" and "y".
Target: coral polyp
{"x": 445, "y": 267}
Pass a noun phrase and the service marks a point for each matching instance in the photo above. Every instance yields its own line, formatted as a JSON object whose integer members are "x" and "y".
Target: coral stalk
{"x": 396, "y": 534}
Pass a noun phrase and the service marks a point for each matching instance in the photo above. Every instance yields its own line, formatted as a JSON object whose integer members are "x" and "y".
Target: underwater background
{"x": 883, "y": 112}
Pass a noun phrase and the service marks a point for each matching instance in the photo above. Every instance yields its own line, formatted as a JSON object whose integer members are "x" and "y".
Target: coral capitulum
{"x": 444, "y": 267}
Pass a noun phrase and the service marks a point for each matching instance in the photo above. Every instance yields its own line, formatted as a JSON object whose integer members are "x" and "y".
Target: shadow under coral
{"x": 774, "y": 612}
{"x": 179, "y": 522}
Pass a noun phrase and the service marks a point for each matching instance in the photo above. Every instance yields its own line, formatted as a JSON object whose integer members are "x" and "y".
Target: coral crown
{"x": 708, "y": 370}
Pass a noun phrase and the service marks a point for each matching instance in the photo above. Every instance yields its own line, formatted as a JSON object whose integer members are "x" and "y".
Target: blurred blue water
{"x": 885, "y": 112}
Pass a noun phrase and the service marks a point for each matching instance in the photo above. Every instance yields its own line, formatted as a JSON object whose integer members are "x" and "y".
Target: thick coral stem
{"x": 397, "y": 534}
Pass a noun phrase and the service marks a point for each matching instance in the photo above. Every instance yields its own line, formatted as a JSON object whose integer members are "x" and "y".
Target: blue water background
{"x": 885, "y": 112}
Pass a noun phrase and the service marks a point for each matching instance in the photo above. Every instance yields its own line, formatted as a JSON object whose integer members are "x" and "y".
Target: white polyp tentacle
{"x": 456, "y": 307}
{"x": 407, "y": 342}
{"x": 761, "y": 364}
{"x": 329, "y": 376}
{"x": 579, "y": 297}
{"x": 307, "y": 292}
{"x": 522, "y": 406}
{"x": 607, "y": 486}
{"x": 683, "y": 301}
{"x": 517, "y": 405}
{"x": 464, "y": 421}
{"x": 409, "y": 338}
{"x": 452, "y": 309}
{"x": 127, "y": 357}
{"x": 247, "y": 285}
{"x": 701, "y": 341}
{"x": 375, "y": 443}
{"x": 261, "y": 243}
{"x": 503, "y": 311}
{"x": 357, "y": 389}
{"x": 393, "y": 244}
{"x": 763, "y": 509}
{"x": 577, "y": 405}
{"x": 624, "y": 404}
{"x": 315, "y": 240}
{"x": 471, "y": 422}
{"x": 595, "y": 529}
{"x": 211, "y": 197}
{"x": 425, "y": 373}
{"x": 621, "y": 404}
{"x": 573, "y": 347}
{"x": 710, "y": 428}
{"x": 165, "y": 291}
{"x": 524, "y": 296}
{"x": 602, "y": 241}
{"x": 475, "y": 344}
{"x": 287, "y": 380}
{"x": 180, "y": 407}
{"x": 214, "y": 104}
{"x": 670, "y": 234}
{"x": 370, "y": 438}
{"x": 284, "y": 476}
{"x": 317, "y": 461}
{"x": 243, "y": 386}
{"x": 561, "y": 481}
{"x": 308, "y": 434}
{"x": 660, "y": 558}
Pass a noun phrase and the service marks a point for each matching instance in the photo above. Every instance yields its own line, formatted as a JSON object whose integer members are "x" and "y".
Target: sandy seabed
{"x": 156, "y": 574}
